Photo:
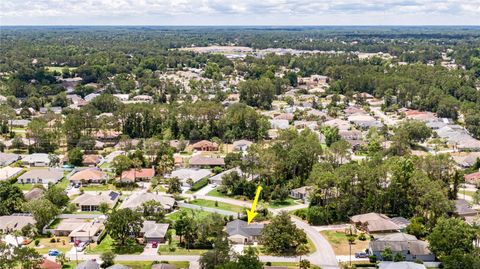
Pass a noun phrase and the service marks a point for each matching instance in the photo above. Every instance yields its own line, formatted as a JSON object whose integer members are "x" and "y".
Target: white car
{"x": 81, "y": 247}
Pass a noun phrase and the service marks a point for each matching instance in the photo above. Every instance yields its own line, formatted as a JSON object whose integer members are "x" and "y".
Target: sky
{"x": 239, "y": 12}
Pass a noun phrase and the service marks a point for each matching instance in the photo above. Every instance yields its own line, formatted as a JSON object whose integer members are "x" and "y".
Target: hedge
{"x": 200, "y": 184}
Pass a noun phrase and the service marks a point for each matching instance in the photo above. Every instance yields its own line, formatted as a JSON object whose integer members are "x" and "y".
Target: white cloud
{"x": 238, "y": 11}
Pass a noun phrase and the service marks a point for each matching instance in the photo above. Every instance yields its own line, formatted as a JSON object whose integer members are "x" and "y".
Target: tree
{"x": 28, "y": 257}
{"x": 11, "y": 198}
{"x": 121, "y": 163}
{"x": 75, "y": 157}
{"x": 281, "y": 236}
{"x": 153, "y": 210}
{"x": 54, "y": 160}
{"x": 7, "y": 259}
{"x": 104, "y": 208}
{"x": 43, "y": 211}
{"x": 331, "y": 135}
{"x": 387, "y": 254}
{"x": 451, "y": 235}
{"x": 123, "y": 223}
{"x": 219, "y": 255}
{"x": 174, "y": 185}
{"x": 62, "y": 259}
{"x": 249, "y": 259}
{"x": 304, "y": 264}
{"x": 107, "y": 259}
{"x": 57, "y": 196}
{"x": 257, "y": 93}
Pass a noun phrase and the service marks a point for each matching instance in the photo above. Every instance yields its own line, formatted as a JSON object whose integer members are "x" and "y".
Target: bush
{"x": 372, "y": 258}
{"x": 200, "y": 184}
{"x": 37, "y": 242}
{"x": 53, "y": 240}
{"x": 362, "y": 237}
{"x": 172, "y": 249}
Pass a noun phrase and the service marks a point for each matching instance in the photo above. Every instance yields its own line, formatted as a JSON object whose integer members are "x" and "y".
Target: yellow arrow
{"x": 251, "y": 213}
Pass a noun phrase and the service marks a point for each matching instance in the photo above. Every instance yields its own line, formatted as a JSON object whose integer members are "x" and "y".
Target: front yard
{"x": 339, "y": 242}
{"x": 108, "y": 244}
{"x": 45, "y": 245}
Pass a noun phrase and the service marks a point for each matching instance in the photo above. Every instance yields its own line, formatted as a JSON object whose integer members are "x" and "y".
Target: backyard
{"x": 218, "y": 205}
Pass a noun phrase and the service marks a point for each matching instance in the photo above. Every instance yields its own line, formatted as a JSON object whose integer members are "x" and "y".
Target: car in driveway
{"x": 154, "y": 244}
{"x": 361, "y": 255}
{"x": 81, "y": 246}
{"x": 53, "y": 252}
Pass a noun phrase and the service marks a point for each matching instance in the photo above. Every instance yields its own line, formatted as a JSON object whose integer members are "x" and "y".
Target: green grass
{"x": 108, "y": 244}
{"x": 278, "y": 204}
{"x": 24, "y": 187}
{"x": 467, "y": 193}
{"x": 177, "y": 249}
{"x": 290, "y": 265}
{"x": 105, "y": 165}
{"x": 220, "y": 205}
{"x": 175, "y": 215}
{"x": 216, "y": 193}
{"x": 63, "y": 184}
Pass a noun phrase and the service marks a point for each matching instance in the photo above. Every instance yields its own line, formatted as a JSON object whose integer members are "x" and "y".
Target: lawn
{"x": 290, "y": 265}
{"x": 467, "y": 193}
{"x": 216, "y": 193}
{"x": 339, "y": 242}
{"x": 175, "y": 215}
{"x": 45, "y": 245}
{"x": 219, "y": 205}
{"x": 63, "y": 184}
{"x": 278, "y": 204}
{"x": 24, "y": 187}
{"x": 108, "y": 244}
{"x": 176, "y": 249}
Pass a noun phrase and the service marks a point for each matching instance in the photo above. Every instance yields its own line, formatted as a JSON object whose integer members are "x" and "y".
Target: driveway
{"x": 149, "y": 250}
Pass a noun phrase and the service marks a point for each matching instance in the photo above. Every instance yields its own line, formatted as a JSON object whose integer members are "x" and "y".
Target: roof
{"x": 48, "y": 174}
{"x": 136, "y": 200}
{"x": 194, "y": 173}
{"x": 401, "y": 222}
{"x": 375, "y": 222}
{"x": 8, "y": 158}
{"x": 163, "y": 266}
{"x": 88, "y": 265}
{"x": 36, "y": 158}
{"x": 89, "y": 174}
{"x": 363, "y": 218}
{"x": 302, "y": 190}
{"x": 240, "y": 227}
{"x": 473, "y": 177}
{"x": 16, "y": 221}
{"x": 205, "y": 143}
{"x": 108, "y": 197}
{"x": 151, "y": 229}
{"x": 91, "y": 158}
{"x": 241, "y": 143}
{"x": 87, "y": 229}
{"x": 9, "y": 172}
{"x": 34, "y": 193}
{"x": 133, "y": 174}
{"x": 119, "y": 266}
{"x": 414, "y": 247}
{"x": 400, "y": 265}
{"x": 210, "y": 161}
{"x": 48, "y": 264}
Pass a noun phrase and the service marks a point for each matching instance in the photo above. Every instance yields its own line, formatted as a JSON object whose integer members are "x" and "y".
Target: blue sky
{"x": 240, "y": 12}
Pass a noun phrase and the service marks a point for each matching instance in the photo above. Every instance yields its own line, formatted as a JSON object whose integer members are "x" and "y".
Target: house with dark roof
{"x": 8, "y": 158}
{"x": 199, "y": 161}
{"x": 240, "y": 232}
{"x": 205, "y": 145}
{"x": 375, "y": 223}
{"x": 405, "y": 244}
{"x": 154, "y": 232}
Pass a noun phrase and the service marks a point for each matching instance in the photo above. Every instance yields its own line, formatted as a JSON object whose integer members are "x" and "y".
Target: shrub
{"x": 53, "y": 240}
{"x": 362, "y": 237}
{"x": 200, "y": 184}
{"x": 372, "y": 258}
{"x": 37, "y": 242}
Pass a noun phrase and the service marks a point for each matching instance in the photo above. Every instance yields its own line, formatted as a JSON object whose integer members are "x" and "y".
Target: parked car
{"x": 361, "y": 255}
{"x": 154, "y": 244}
{"x": 53, "y": 252}
{"x": 81, "y": 246}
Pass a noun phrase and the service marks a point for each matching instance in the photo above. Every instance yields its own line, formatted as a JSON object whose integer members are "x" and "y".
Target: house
{"x": 463, "y": 209}
{"x": 89, "y": 175}
{"x": 91, "y": 160}
{"x": 142, "y": 174}
{"x": 375, "y": 223}
{"x": 301, "y": 193}
{"x": 279, "y": 124}
{"x": 190, "y": 173}
{"x": 9, "y": 172}
{"x": 20, "y": 123}
{"x": 15, "y": 222}
{"x": 364, "y": 121}
{"x": 154, "y": 232}
{"x": 401, "y": 222}
{"x": 473, "y": 178}
{"x": 107, "y": 136}
{"x": 34, "y": 193}
{"x": 136, "y": 200}
{"x": 217, "y": 179}
{"x": 41, "y": 176}
{"x": 407, "y": 245}
{"x": 8, "y": 158}
{"x": 284, "y": 116}
{"x": 241, "y": 145}
{"x": 205, "y": 145}
{"x": 91, "y": 202}
{"x": 90, "y": 264}
{"x": 400, "y": 265}
{"x": 48, "y": 264}
{"x": 200, "y": 161}
{"x": 240, "y": 232}
{"x": 340, "y": 124}
{"x": 36, "y": 160}
{"x": 87, "y": 231}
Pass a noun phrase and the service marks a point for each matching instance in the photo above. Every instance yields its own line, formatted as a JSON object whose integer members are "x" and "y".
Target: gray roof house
{"x": 8, "y": 158}
{"x": 36, "y": 159}
{"x": 136, "y": 200}
{"x": 154, "y": 232}
{"x": 194, "y": 173}
{"x": 91, "y": 202}
{"x": 217, "y": 179}
{"x": 407, "y": 245}
{"x": 240, "y": 232}
{"x": 41, "y": 176}
{"x": 90, "y": 264}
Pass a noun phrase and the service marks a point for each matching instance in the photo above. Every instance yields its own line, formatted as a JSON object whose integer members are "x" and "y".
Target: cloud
{"x": 238, "y": 11}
